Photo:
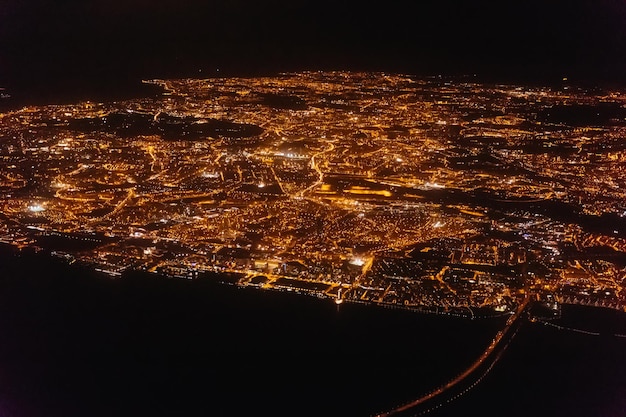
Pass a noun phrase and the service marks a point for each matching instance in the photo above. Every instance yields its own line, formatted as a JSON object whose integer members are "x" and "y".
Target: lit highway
{"x": 487, "y": 356}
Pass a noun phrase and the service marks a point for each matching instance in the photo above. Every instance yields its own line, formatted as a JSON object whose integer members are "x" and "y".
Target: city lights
{"x": 428, "y": 193}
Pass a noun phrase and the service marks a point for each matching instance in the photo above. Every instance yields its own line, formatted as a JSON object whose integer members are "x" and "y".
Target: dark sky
{"x": 53, "y": 41}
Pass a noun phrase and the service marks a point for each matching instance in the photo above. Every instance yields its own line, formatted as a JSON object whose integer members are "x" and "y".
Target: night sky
{"x": 52, "y": 43}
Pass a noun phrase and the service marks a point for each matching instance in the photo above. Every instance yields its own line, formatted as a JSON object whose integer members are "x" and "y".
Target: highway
{"x": 488, "y": 354}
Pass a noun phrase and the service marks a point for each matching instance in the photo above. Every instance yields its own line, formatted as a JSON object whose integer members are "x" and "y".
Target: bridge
{"x": 475, "y": 372}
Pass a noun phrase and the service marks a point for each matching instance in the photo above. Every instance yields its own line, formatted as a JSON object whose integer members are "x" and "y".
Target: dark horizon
{"x": 48, "y": 48}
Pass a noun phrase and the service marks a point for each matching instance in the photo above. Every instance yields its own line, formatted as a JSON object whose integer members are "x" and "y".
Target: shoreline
{"x": 237, "y": 280}
{"x": 151, "y": 315}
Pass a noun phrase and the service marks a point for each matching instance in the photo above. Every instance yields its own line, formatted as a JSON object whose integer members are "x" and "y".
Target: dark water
{"x": 552, "y": 372}
{"x": 42, "y": 91}
{"x": 75, "y": 344}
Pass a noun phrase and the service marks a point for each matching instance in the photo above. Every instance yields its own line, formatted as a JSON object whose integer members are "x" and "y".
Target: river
{"x": 76, "y": 344}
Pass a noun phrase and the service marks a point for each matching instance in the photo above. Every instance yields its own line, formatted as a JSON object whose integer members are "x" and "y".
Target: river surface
{"x": 79, "y": 344}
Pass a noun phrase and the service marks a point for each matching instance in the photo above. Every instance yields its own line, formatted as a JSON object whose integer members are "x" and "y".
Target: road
{"x": 469, "y": 371}
{"x": 320, "y": 173}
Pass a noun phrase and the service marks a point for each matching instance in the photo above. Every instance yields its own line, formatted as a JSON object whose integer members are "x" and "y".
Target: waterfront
{"x": 78, "y": 344}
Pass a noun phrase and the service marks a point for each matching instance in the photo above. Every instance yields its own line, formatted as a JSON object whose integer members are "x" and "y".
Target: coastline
{"x": 143, "y": 325}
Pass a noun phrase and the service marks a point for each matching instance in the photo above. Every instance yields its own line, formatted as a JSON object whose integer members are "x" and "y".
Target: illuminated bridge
{"x": 469, "y": 378}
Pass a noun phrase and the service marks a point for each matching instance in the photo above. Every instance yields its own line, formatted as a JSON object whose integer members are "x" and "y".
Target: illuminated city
{"x": 296, "y": 208}
{"x": 437, "y": 194}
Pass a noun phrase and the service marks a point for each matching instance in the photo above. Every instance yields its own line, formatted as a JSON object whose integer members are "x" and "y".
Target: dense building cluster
{"x": 440, "y": 194}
